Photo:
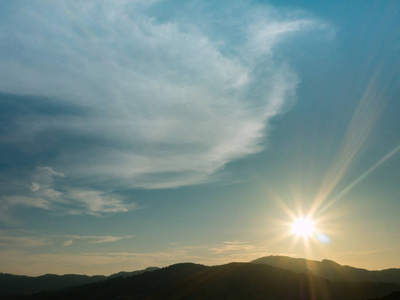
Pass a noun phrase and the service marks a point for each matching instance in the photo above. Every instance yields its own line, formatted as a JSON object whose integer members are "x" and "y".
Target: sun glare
{"x": 303, "y": 227}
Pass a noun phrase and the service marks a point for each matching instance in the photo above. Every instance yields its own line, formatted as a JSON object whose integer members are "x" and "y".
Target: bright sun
{"x": 303, "y": 227}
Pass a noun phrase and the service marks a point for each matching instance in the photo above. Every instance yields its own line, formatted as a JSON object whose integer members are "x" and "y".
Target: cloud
{"x": 16, "y": 239}
{"x": 52, "y": 254}
{"x": 68, "y": 243}
{"x": 97, "y": 202}
{"x": 112, "y": 95}
{"x": 367, "y": 252}
{"x": 22, "y": 242}
{"x": 20, "y": 239}
{"x": 27, "y": 263}
{"x": 41, "y": 191}
{"x": 92, "y": 239}
{"x": 239, "y": 250}
{"x": 92, "y": 263}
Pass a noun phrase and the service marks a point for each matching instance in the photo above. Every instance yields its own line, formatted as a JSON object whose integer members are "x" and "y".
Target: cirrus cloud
{"x": 108, "y": 95}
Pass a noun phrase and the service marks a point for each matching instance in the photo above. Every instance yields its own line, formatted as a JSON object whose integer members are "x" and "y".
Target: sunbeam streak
{"x": 361, "y": 125}
{"x": 361, "y": 178}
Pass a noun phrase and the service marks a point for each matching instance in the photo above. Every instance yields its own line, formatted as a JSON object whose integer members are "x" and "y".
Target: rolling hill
{"x": 13, "y": 284}
{"x": 273, "y": 277}
{"x": 230, "y": 281}
{"x": 329, "y": 269}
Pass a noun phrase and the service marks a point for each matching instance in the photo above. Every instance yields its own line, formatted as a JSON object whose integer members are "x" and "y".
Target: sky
{"x": 145, "y": 133}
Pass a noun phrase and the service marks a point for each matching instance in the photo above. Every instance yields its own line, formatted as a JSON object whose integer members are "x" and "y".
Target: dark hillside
{"x": 231, "y": 281}
{"x": 26, "y": 285}
{"x": 329, "y": 269}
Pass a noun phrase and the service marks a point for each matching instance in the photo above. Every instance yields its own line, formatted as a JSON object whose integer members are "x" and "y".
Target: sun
{"x": 303, "y": 227}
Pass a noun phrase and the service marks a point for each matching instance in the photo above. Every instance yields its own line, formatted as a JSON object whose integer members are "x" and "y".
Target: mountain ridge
{"x": 329, "y": 269}
{"x": 229, "y": 281}
{"x": 23, "y": 284}
{"x": 271, "y": 277}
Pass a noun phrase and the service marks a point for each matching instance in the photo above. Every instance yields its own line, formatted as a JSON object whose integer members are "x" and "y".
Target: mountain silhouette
{"x": 13, "y": 284}
{"x": 230, "y": 281}
{"x": 273, "y": 277}
{"x": 329, "y": 269}
{"x": 24, "y": 284}
{"x": 126, "y": 274}
{"x": 392, "y": 296}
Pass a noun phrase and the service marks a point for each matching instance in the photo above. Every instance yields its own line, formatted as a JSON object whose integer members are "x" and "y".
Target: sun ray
{"x": 361, "y": 125}
{"x": 361, "y": 178}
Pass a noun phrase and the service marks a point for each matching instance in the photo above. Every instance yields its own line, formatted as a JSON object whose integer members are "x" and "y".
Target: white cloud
{"x": 164, "y": 103}
{"x": 96, "y": 202}
{"x": 239, "y": 249}
{"x": 16, "y": 239}
{"x": 59, "y": 259}
{"x": 94, "y": 239}
{"x": 93, "y": 263}
{"x": 12, "y": 241}
{"x": 44, "y": 192}
{"x": 68, "y": 243}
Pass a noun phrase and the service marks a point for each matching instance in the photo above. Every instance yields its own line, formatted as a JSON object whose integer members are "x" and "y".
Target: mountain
{"x": 392, "y": 296}
{"x": 24, "y": 284}
{"x": 126, "y": 274}
{"x": 231, "y": 281}
{"x": 11, "y": 284}
{"x": 329, "y": 269}
{"x": 273, "y": 277}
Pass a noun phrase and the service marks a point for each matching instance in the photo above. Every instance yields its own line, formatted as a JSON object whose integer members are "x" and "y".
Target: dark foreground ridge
{"x": 16, "y": 284}
{"x": 230, "y": 281}
{"x": 329, "y": 269}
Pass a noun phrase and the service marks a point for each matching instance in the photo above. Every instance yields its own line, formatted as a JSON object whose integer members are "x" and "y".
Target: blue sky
{"x": 145, "y": 133}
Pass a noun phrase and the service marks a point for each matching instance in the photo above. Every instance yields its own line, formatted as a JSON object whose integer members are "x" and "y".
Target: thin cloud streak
{"x": 367, "y": 252}
{"x": 93, "y": 239}
{"x": 94, "y": 263}
{"x": 7, "y": 241}
{"x": 10, "y": 239}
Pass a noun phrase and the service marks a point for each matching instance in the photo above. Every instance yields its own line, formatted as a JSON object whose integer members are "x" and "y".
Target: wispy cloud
{"x": 68, "y": 243}
{"x": 93, "y": 239}
{"x": 367, "y": 252}
{"x": 17, "y": 239}
{"x": 106, "y": 95}
{"x": 109, "y": 262}
{"x": 41, "y": 191}
{"x": 22, "y": 242}
{"x": 239, "y": 251}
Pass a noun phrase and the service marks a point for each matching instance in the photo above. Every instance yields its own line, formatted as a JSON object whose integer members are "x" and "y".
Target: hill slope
{"x": 231, "y": 281}
{"x": 126, "y": 274}
{"x": 329, "y": 269}
{"x": 12, "y": 284}
{"x": 24, "y": 284}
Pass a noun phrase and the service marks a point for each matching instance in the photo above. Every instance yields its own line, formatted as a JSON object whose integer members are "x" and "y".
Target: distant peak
{"x": 331, "y": 262}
